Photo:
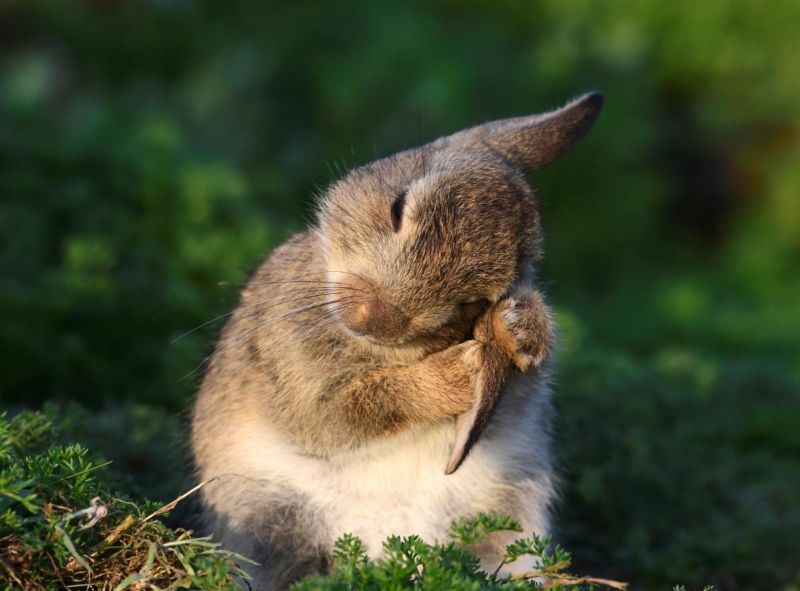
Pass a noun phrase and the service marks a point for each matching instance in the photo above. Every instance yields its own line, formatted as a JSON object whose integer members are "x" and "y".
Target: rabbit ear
{"x": 529, "y": 143}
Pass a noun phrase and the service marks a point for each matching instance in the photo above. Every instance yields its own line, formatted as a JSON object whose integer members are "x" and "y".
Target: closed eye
{"x": 397, "y": 211}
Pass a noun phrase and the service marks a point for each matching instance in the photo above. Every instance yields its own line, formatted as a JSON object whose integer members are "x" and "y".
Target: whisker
{"x": 271, "y": 321}
{"x": 290, "y": 281}
{"x": 260, "y": 326}
{"x": 350, "y": 273}
{"x": 314, "y": 287}
{"x": 302, "y": 296}
{"x": 314, "y": 306}
{"x": 318, "y": 284}
{"x": 196, "y": 328}
{"x": 325, "y": 315}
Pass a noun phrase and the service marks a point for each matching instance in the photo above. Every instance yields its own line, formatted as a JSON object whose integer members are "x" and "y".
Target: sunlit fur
{"x": 328, "y": 404}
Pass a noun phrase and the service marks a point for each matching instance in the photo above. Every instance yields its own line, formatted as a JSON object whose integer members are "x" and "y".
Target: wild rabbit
{"x": 329, "y": 404}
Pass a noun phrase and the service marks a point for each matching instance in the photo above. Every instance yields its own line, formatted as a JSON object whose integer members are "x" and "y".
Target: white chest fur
{"x": 397, "y": 485}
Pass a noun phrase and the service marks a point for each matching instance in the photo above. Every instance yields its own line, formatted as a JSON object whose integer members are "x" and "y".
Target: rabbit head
{"x": 419, "y": 241}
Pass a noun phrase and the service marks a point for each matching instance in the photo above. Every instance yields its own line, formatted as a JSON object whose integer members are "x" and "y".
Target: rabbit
{"x": 328, "y": 405}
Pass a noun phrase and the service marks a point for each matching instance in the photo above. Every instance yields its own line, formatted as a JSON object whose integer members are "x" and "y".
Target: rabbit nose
{"x": 376, "y": 318}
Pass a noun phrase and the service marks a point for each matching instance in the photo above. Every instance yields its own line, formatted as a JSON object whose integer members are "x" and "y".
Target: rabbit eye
{"x": 397, "y": 211}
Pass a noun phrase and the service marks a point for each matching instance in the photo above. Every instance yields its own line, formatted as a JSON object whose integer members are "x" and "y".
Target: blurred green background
{"x": 152, "y": 153}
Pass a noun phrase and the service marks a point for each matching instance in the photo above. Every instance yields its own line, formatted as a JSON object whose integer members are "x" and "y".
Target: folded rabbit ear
{"x": 532, "y": 142}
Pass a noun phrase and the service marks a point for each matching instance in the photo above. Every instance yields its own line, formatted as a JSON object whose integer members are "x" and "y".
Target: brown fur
{"x": 373, "y": 325}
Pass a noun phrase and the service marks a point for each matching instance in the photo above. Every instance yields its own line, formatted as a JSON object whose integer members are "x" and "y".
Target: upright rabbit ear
{"x": 532, "y": 142}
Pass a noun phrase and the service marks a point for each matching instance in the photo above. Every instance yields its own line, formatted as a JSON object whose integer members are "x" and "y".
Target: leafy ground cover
{"x": 62, "y": 526}
{"x": 142, "y": 176}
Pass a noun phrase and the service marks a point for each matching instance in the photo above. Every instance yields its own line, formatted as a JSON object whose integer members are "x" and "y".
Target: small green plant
{"x": 411, "y": 563}
{"x": 62, "y": 527}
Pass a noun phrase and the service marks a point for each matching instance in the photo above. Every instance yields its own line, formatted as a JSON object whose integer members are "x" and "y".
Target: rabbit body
{"x": 327, "y": 407}
{"x": 284, "y": 507}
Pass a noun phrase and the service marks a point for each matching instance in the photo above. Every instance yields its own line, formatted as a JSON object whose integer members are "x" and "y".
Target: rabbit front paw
{"x": 522, "y": 326}
{"x": 454, "y": 373}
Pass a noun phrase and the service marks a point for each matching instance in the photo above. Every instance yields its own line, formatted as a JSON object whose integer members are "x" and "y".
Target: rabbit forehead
{"x": 360, "y": 201}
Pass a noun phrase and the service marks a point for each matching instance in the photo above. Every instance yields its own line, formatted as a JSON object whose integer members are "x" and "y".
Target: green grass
{"x": 686, "y": 468}
{"x": 143, "y": 176}
{"x": 62, "y": 526}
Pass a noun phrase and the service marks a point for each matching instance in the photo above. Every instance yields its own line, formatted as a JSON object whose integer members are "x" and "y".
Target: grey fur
{"x": 328, "y": 405}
